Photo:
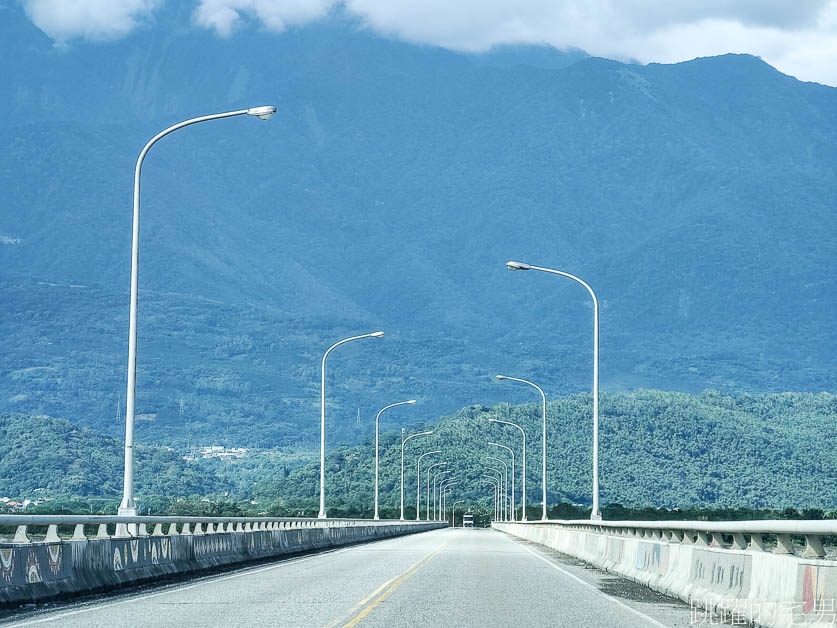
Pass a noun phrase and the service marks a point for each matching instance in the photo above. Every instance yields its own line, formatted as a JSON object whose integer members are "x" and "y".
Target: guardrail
{"x": 52, "y": 556}
{"x": 742, "y": 535}
{"x": 127, "y": 527}
{"x": 730, "y": 569}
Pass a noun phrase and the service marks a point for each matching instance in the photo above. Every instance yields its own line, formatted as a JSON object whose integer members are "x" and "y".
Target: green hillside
{"x": 657, "y": 449}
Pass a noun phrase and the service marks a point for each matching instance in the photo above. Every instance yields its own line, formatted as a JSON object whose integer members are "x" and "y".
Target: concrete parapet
{"x": 52, "y": 568}
{"x": 766, "y": 588}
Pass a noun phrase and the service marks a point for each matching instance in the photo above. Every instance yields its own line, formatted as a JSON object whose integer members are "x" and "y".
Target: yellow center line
{"x": 393, "y": 585}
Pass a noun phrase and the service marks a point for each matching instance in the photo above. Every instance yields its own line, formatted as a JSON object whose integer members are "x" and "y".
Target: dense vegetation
{"x": 696, "y": 198}
{"x": 658, "y": 449}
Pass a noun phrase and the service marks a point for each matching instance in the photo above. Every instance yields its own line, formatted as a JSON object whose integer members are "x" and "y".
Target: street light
{"x": 596, "y": 513}
{"x": 427, "y": 491}
{"x": 418, "y": 481}
{"x": 442, "y": 487}
{"x": 543, "y": 399}
{"x": 403, "y": 442}
{"x": 500, "y": 479}
{"x": 445, "y": 501}
{"x": 511, "y": 451}
{"x": 375, "y": 334}
{"x": 523, "y": 499}
{"x": 453, "y": 513}
{"x": 128, "y": 506}
{"x": 377, "y": 419}
{"x": 493, "y": 481}
{"x": 506, "y": 475}
{"x": 435, "y": 509}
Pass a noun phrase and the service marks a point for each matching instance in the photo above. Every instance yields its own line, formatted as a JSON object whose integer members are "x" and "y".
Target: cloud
{"x": 63, "y": 20}
{"x": 225, "y": 15}
{"x": 798, "y": 37}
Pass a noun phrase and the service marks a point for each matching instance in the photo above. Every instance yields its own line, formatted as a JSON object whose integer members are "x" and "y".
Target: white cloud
{"x": 798, "y": 37}
{"x": 63, "y": 20}
{"x": 225, "y": 15}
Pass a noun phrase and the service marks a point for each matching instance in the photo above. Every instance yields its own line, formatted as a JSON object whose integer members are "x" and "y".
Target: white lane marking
{"x": 592, "y": 587}
{"x": 176, "y": 589}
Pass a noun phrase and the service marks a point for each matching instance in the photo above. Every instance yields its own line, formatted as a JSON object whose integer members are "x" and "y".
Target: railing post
{"x": 78, "y": 533}
{"x": 813, "y": 547}
{"x": 21, "y": 536}
{"x": 784, "y": 544}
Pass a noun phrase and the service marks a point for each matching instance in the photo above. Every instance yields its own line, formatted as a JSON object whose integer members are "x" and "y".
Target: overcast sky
{"x": 799, "y": 37}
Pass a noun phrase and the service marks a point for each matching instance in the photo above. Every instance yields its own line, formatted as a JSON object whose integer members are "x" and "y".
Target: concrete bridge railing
{"x": 741, "y": 571}
{"x": 53, "y": 556}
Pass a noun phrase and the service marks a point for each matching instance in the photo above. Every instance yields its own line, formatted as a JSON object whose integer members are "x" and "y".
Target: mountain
{"x": 656, "y": 449}
{"x": 387, "y": 192}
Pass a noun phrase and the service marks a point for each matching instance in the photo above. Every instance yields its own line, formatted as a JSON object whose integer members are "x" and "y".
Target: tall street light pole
{"x": 453, "y": 512}
{"x": 442, "y": 486}
{"x": 523, "y": 498}
{"x": 128, "y": 506}
{"x": 374, "y": 334}
{"x": 511, "y": 451}
{"x": 444, "y": 499}
{"x": 596, "y": 513}
{"x": 435, "y": 509}
{"x": 377, "y": 420}
{"x": 502, "y": 500}
{"x": 506, "y": 481}
{"x": 493, "y": 481}
{"x": 448, "y": 488}
{"x": 543, "y": 399}
{"x": 427, "y": 490}
{"x": 418, "y": 481}
{"x": 404, "y": 442}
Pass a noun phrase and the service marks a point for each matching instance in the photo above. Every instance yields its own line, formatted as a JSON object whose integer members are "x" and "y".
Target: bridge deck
{"x": 446, "y": 577}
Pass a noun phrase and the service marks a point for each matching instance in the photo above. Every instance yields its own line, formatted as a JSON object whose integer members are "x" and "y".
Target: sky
{"x": 798, "y": 37}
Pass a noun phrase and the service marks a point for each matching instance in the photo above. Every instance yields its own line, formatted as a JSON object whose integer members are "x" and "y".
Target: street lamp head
{"x": 411, "y": 401}
{"x": 376, "y": 334}
{"x": 262, "y": 113}
{"x": 501, "y": 377}
{"x": 517, "y": 266}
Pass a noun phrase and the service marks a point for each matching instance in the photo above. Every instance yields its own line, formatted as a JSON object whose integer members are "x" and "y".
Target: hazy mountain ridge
{"x": 388, "y": 191}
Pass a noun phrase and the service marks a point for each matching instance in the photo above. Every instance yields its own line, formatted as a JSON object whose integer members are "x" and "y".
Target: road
{"x": 442, "y": 578}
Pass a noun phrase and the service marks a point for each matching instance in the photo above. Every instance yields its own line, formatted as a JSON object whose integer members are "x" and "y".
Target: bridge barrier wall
{"x": 32, "y": 571}
{"x": 744, "y": 585}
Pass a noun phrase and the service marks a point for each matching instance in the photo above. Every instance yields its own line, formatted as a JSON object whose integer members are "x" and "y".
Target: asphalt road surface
{"x": 447, "y": 578}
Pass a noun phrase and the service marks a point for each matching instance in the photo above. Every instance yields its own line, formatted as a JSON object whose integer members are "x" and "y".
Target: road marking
{"x": 176, "y": 589}
{"x": 396, "y": 582}
{"x": 590, "y": 586}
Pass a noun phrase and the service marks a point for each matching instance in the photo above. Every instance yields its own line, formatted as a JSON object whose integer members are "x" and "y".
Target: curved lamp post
{"x": 523, "y": 498}
{"x": 543, "y": 399}
{"x": 502, "y": 500}
{"x": 493, "y": 481}
{"x": 445, "y": 500}
{"x": 505, "y": 480}
{"x": 374, "y": 334}
{"x": 596, "y": 514}
{"x": 435, "y": 508}
{"x": 128, "y": 507}
{"x": 443, "y": 484}
{"x": 418, "y": 481}
{"x": 377, "y": 420}
{"x": 453, "y": 512}
{"x": 511, "y": 451}
{"x": 427, "y": 491}
{"x": 403, "y": 442}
